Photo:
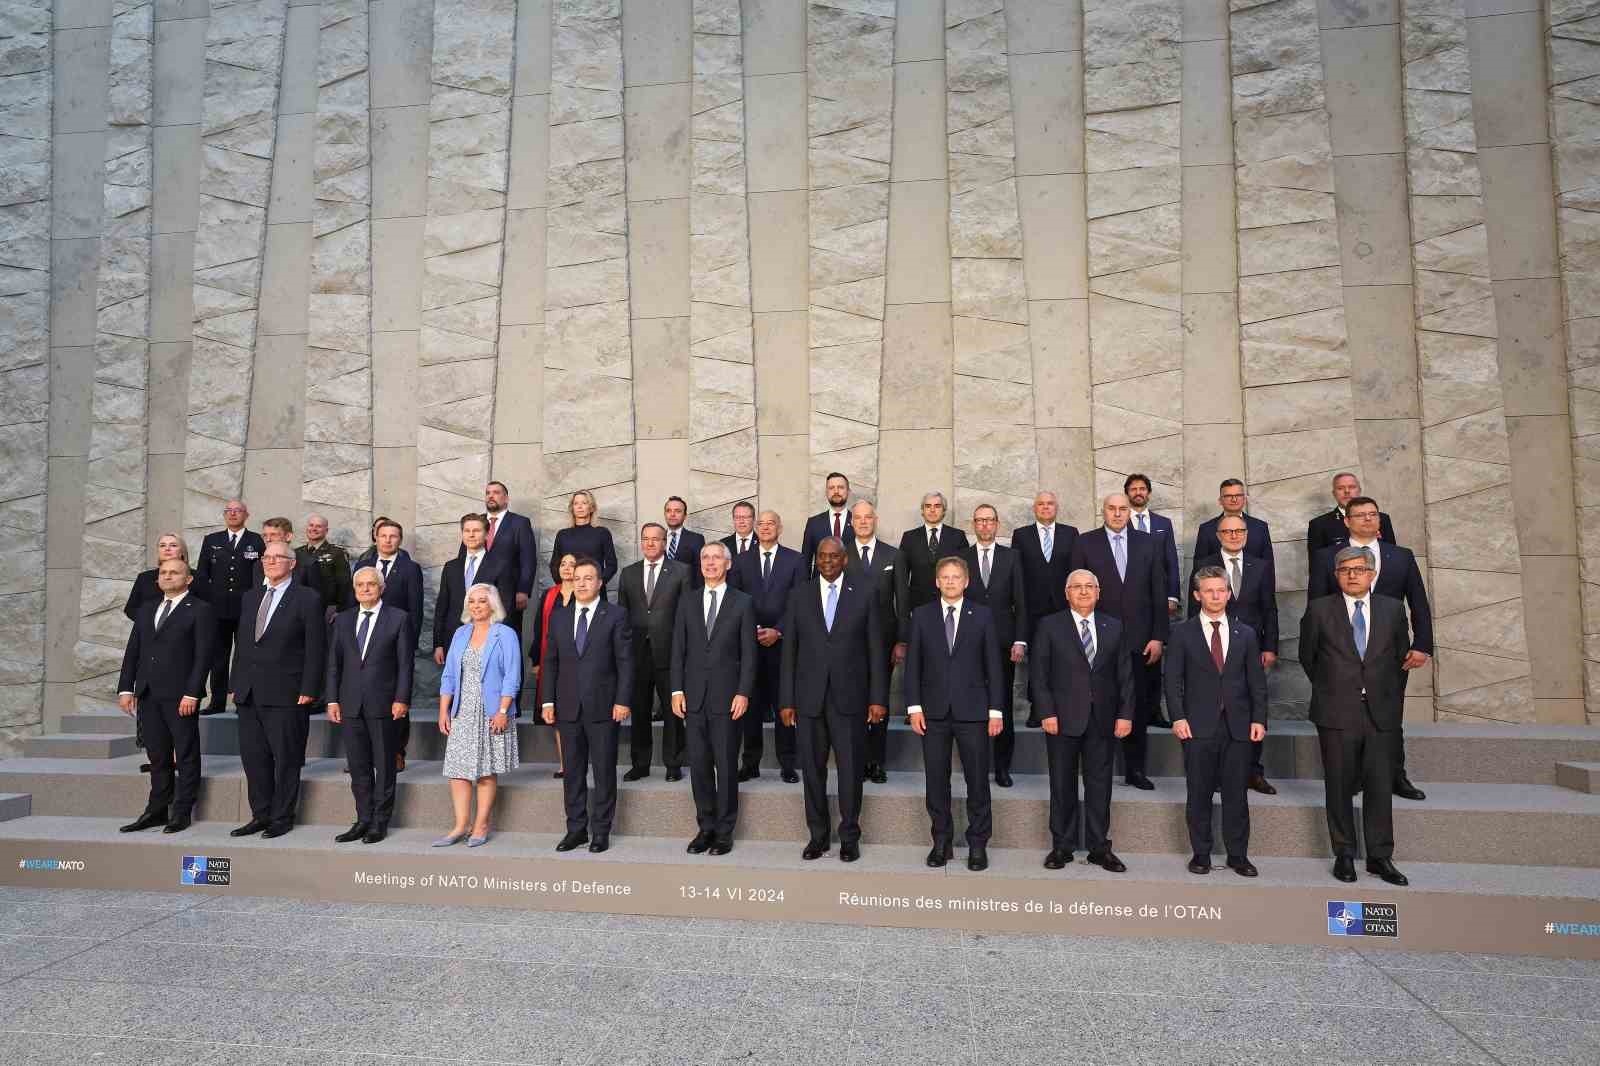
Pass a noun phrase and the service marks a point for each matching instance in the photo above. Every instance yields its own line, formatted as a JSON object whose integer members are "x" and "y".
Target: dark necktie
{"x": 384, "y": 563}
{"x": 1216, "y": 644}
{"x": 933, "y": 541}
{"x": 233, "y": 541}
{"x": 985, "y": 568}
{"x": 582, "y": 636}
{"x": 672, "y": 548}
{"x": 166, "y": 609}
{"x": 1234, "y": 579}
{"x": 835, "y": 525}
{"x": 1087, "y": 638}
{"x": 766, "y": 566}
{"x": 361, "y": 632}
{"x": 866, "y": 557}
{"x": 711, "y": 613}
{"x": 650, "y": 583}
{"x": 950, "y": 629}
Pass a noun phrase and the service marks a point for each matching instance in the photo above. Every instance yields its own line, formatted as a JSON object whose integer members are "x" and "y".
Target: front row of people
{"x": 833, "y": 684}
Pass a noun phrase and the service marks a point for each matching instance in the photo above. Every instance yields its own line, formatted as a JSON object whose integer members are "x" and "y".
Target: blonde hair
{"x": 183, "y": 545}
{"x": 594, "y": 508}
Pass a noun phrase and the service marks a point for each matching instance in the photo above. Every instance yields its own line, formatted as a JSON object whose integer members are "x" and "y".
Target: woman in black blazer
{"x": 584, "y": 538}
{"x": 168, "y": 546}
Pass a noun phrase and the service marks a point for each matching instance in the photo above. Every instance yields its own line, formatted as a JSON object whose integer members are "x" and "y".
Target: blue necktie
{"x": 1049, "y": 543}
{"x": 950, "y": 629}
{"x": 472, "y": 569}
{"x": 582, "y": 637}
{"x": 829, "y": 607}
{"x": 361, "y": 633}
{"x": 1088, "y": 640}
{"x": 1120, "y": 551}
{"x": 672, "y": 548}
{"x": 1359, "y": 624}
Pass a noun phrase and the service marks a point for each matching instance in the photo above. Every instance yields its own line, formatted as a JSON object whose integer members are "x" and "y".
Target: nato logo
{"x": 1363, "y": 919}
{"x": 206, "y": 870}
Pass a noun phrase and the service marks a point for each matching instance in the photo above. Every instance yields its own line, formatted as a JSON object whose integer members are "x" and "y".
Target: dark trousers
{"x": 167, "y": 737}
{"x": 845, "y": 732}
{"x": 1364, "y": 755}
{"x": 764, "y": 708}
{"x": 943, "y": 736}
{"x": 878, "y": 732}
{"x": 589, "y": 746}
{"x": 1146, "y": 701}
{"x": 272, "y": 746}
{"x": 1006, "y": 742}
{"x": 1210, "y": 762}
{"x": 652, "y": 699}
{"x": 221, "y": 660}
{"x": 369, "y": 748}
{"x": 1091, "y": 752}
{"x": 713, "y": 743}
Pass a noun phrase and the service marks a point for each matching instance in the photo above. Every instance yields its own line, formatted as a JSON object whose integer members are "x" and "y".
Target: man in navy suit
{"x": 1233, "y": 499}
{"x": 278, "y": 668}
{"x": 768, "y": 574}
{"x": 586, "y": 677}
{"x": 875, "y": 564}
{"x": 713, "y": 675}
{"x": 953, "y": 697}
{"x": 1133, "y": 589}
{"x": 921, "y": 548}
{"x": 834, "y": 522}
{"x": 1253, "y": 600}
{"x": 1217, "y": 693}
{"x": 510, "y": 544}
{"x": 1044, "y": 547}
{"x": 683, "y": 545}
{"x": 227, "y": 558}
{"x": 1141, "y": 518}
{"x": 833, "y": 683}
{"x": 473, "y": 565}
{"x": 995, "y": 580}
{"x": 1398, "y": 577}
{"x": 402, "y": 588}
{"x": 1083, "y": 692}
{"x": 1326, "y": 530}
{"x": 163, "y": 677}
{"x": 743, "y": 537}
{"x": 370, "y": 659}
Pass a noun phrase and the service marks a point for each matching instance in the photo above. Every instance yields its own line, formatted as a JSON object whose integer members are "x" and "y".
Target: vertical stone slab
{"x": 244, "y": 54}
{"x": 850, "y": 96}
{"x": 336, "y": 479}
{"x": 1133, "y": 75}
{"x": 25, "y": 104}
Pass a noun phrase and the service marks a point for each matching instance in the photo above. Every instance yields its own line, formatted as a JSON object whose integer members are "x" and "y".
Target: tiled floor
{"x": 121, "y": 977}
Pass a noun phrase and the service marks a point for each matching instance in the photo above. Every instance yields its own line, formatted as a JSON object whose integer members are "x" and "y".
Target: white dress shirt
{"x": 470, "y": 565}
{"x": 1206, "y": 619}
{"x": 276, "y": 592}
{"x": 372, "y": 623}
{"x": 823, "y": 585}
{"x": 721, "y": 592}
{"x": 577, "y": 606}
{"x": 944, "y": 604}
{"x": 1077, "y": 629}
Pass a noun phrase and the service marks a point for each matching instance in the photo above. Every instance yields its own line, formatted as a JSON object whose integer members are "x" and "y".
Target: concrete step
{"x": 1579, "y": 776}
{"x": 98, "y": 722}
{"x": 1490, "y": 823}
{"x": 15, "y": 805}
{"x": 1434, "y": 752}
{"x": 80, "y": 746}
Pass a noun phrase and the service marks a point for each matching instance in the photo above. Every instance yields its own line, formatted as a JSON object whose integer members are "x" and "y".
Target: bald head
{"x": 1116, "y": 510}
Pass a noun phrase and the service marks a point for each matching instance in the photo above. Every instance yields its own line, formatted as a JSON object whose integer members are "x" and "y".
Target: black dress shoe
{"x": 1199, "y": 865}
{"x": 1139, "y": 780}
{"x": 1243, "y": 867}
{"x": 938, "y": 856}
{"x": 272, "y": 832}
{"x": 144, "y": 768}
{"x": 977, "y": 859}
{"x": 375, "y": 835}
{"x": 212, "y": 710}
{"x": 674, "y": 774}
{"x": 849, "y": 852}
{"x": 637, "y": 773}
{"x": 1057, "y": 859}
{"x": 721, "y": 847}
{"x": 572, "y": 840}
{"x": 1033, "y": 720}
{"x": 748, "y": 773}
{"x": 790, "y": 777}
{"x": 1407, "y": 791}
{"x": 145, "y": 821}
{"x": 355, "y": 832}
{"x": 178, "y": 825}
{"x": 1344, "y": 869}
{"x": 1159, "y": 721}
{"x": 599, "y": 844}
{"x": 1384, "y": 868}
{"x": 1260, "y": 784}
{"x": 700, "y": 843}
{"x": 1003, "y": 778}
{"x": 876, "y": 775}
{"x": 815, "y": 849}
{"x": 254, "y": 825}
{"x": 1108, "y": 861}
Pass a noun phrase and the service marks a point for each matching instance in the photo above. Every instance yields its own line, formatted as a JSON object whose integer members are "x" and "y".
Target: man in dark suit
{"x": 1353, "y": 647}
{"x": 995, "y": 580}
{"x": 833, "y": 683}
{"x": 1398, "y": 577}
{"x": 226, "y": 560}
{"x": 834, "y": 522}
{"x": 281, "y": 531}
{"x": 510, "y": 545}
{"x": 370, "y": 659}
{"x": 682, "y": 546}
{"x": 713, "y": 674}
{"x": 1083, "y": 692}
{"x": 1144, "y": 519}
{"x": 875, "y": 565}
{"x": 767, "y": 574}
{"x": 472, "y": 566}
{"x": 1326, "y": 530}
{"x": 1233, "y": 500}
{"x": 1217, "y": 694}
{"x": 648, "y": 591}
{"x": 1253, "y": 600}
{"x": 402, "y": 588}
{"x": 921, "y": 548}
{"x": 953, "y": 698}
{"x": 1044, "y": 547}
{"x": 586, "y": 674}
{"x": 743, "y": 537}
{"x": 1133, "y": 589}
{"x": 163, "y": 677}
{"x": 277, "y": 672}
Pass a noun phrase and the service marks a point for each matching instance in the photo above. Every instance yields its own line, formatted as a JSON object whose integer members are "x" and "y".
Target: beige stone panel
{"x": 1517, "y": 184}
{"x": 1390, "y": 457}
{"x": 394, "y": 392}
{"x": 1362, "y": 84}
{"x": 1532, "y": 346}
{"x": 394, "y": 484}
{"x": 172, "y": 289}
{"x": 519, "y": 385}
{"x": 1211, "y": 453}
{"x": 1211, "y": 388}
{"x": 1066, "y": 467}
{"x": 286, "y": 279}
{"x": 774, "y": 36}
{"x": 1383, "y": 353}
{"x": 785, "y": 462}
{"x": 919, "y": 243}
{"x": 1210, "y": 254}
{"x": 918, "y": 32}
{"x": 911, "y": 462}
{"x": 64, "y": 488}
{"x": 522, "y": 287}
{"x": 399, "y": 162}
{"x": 164, "y": 493}
{"x": 73, "y": 267}
{"x": 292, "y": 197}
{"x": 1555, "y": 625}
{"x": 779, "y": 241}
{"x": 168, "y": 399}
{"x": 79, "y": 60}
{"x": 278, "y": 393}
{"x": 533, "y": 47}
{"x": 272, "y": 480}
{"x": 1205, "y": 129}
{"x": 657, "y": 40}
{"x": 1335, "y": 14}
{"x": 401, "y": 37}
{"x": 297, "y": 85}
{"x": 1055, "y": 259}
{"x": 918, "y": 353}
{"x": 1058, "y": 335}
{"x": 77, "y": 183}
{"x": 661, "y": 470}
{"x": 1043, "y": 26}
{"x": 656, "y": 124}
{"x": 918, "y": 151}
{"x": 177, "y": 179}
{"x": 530, "y": 151}
{"x": 180, "y": 75}
{"x": 1297, "y": 405}
{"x": 70, "y": 376}
{"x": 1374, "y": 230}
{"x": 658, "y": 259}
{"x": 775, "y": 132}
{"x": 783, "y": 377}
{"x": 397, "y": 274}
{"x": 661, "y": 378}
{"x": 1508, "y": 79}
{"x": 1047, "y": 104}
{"x": 1541, "y": 484}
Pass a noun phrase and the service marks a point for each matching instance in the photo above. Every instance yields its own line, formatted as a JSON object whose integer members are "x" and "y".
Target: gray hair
{"x": 1086, "y": 573}
{"x": 717, "y": 545}
{"x": 1352, "y": 552}
{"x": 926, "y": 496}
{"x": 497, "y": 609}
{"x": 1206, "y": 572}
{"x": 374, "y": 571}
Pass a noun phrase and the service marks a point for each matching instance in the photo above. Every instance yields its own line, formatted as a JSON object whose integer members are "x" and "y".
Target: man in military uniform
{"x": 332, "y": 564}
{"x": 227, "y": 558}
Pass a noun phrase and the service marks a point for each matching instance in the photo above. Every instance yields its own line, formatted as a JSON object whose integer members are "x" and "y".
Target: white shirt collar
{"x": 823, "y": 583}
{"x": 1207, "y": 618}
{"x": 176, "y": 599}
{"x": 957, "y": 605}
{"x": 1079, "y": 619}
{"x": 375, "y": 608}
{"x": 928, "y": 529}
{"x": 286, "y": 581}
{"x": 1228, "y": 556}
{"x": 1351, "y": 601}
{"x": 867, "y": 544}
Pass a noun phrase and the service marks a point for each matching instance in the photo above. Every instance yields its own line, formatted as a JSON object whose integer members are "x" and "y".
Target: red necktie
{"x": 492, "y": 523}
{"x": 1216, "y": 645}
{"x": 835, "y": 525}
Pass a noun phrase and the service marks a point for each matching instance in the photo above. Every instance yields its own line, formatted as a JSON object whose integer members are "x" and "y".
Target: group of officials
{"x": 717, "y": 639}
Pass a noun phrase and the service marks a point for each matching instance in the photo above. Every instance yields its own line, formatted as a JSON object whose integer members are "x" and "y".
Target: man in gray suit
{"x": 648, "y": 590}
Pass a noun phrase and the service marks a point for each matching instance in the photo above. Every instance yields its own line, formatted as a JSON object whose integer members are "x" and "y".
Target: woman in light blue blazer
{"x": 477, "y": 708}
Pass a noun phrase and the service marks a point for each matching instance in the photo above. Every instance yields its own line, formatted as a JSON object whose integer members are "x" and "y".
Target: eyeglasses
{"x": 1346, "y": 571}
{"x": 1233, "y": 495}
{"x": 1083, "y": 588}
{"x": 1232, "y": 532}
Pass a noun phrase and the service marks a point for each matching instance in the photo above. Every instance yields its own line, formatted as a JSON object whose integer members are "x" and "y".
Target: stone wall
{"x": 359, "y": 255}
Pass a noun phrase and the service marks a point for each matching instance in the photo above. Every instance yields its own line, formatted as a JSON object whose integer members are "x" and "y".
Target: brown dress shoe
{"x": 1259, "y": 783}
